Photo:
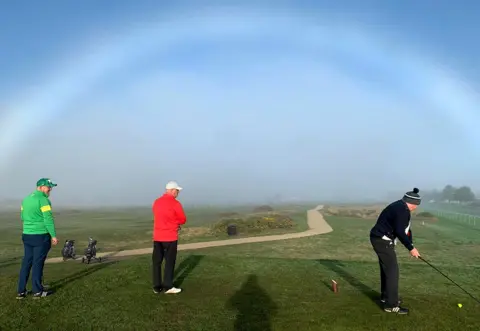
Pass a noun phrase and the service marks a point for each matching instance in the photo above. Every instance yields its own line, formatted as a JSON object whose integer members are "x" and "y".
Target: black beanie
{"x": 412, "y": 197}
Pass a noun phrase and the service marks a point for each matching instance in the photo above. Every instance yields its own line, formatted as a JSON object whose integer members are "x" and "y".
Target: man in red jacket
{"x": 168, "y": 216}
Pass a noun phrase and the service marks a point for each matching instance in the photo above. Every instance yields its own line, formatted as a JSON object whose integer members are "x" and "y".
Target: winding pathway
{"x": 316, "y": 223}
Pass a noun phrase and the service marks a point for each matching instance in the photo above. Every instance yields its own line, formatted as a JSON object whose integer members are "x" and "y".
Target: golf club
{"x": 421, "y": 258}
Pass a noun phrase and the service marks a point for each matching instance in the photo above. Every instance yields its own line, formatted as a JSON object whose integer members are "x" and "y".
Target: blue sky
{"x": 306, "y": 99}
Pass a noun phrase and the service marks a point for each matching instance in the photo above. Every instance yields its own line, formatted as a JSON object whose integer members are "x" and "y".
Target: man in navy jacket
{"x": 392, "y": 224}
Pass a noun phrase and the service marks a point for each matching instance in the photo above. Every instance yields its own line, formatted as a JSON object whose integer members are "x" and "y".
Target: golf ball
{"x": 459, "y": 305}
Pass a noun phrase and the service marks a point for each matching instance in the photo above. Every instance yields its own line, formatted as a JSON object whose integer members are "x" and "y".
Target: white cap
{"x": 173, "y": 186}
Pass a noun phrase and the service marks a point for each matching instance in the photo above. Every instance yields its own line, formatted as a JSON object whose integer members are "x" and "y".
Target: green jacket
{"x": 36, "y": 214}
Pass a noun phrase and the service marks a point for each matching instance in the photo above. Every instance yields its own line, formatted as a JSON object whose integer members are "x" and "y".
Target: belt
{"x": 384, "y": 237}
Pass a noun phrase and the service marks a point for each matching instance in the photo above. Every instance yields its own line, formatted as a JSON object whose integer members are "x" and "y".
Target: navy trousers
{"x": 36, "y": 248}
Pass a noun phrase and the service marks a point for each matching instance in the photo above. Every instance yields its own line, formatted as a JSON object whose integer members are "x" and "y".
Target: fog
{"x": 240, "y": 118}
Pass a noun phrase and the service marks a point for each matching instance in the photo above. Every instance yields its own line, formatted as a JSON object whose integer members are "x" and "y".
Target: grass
{"x": 367, "y": 211}
{"x": 263, "y": 286}
{"x": 455, "y": 208}
{"x": 131, "y": 228}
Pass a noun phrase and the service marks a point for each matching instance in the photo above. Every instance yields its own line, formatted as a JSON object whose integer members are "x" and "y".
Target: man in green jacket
{"x": 38, "y": 237}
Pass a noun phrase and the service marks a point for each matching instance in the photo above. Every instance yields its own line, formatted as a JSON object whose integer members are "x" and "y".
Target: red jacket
{"x": 168, "y": 215}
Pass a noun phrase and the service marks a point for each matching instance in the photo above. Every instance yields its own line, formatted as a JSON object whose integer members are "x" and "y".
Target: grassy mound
{"x": 251, "y": 224}
{"x": 364, "y": 212}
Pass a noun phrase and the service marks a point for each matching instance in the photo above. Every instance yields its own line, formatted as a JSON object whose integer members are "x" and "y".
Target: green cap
{"x": 46, "y": 182}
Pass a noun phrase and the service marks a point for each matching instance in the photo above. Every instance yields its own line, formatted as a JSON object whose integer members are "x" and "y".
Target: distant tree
{"x": 448, "y": 193}
{"x": 464, "y": 194}
{"x": 437, "y": 195}
{"x": 432, "y": 195}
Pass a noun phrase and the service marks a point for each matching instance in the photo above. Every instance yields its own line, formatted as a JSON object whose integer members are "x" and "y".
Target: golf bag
{"x": 90, "y": 251}
{"x": 68, "y": 251}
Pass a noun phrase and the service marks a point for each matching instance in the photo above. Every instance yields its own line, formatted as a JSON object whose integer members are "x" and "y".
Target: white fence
{"x": 473, "y": 220}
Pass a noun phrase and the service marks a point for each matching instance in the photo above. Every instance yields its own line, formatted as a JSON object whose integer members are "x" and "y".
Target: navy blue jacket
{"x": 394, "y": 222}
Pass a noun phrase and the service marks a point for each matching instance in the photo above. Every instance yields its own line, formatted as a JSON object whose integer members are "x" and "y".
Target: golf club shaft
{"x": 421, "y": 258}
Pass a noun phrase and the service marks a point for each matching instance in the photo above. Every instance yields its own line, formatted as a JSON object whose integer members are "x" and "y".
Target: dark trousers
{"x": 161, "y": 250}
{"x": 36, "y": 248}
{"x": 389, "y": 272}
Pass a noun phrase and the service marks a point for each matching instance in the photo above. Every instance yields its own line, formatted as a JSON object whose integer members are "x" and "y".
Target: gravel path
{"x": 316, "y": 223}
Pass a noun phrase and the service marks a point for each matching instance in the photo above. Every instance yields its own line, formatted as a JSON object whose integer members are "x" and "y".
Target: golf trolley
{"x": 91, "y": 252}
{"x": 68, "y": 251}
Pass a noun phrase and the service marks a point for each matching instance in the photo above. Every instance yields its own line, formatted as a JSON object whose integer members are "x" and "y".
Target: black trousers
{"x": 161, "y": 250}
{"x": 389, "y": 272}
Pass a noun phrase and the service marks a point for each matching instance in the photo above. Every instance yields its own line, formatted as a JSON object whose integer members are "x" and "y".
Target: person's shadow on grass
{"x": 254, "y": 306}
{"x": 57, "y": 285}
{"x": 186, "y": 267}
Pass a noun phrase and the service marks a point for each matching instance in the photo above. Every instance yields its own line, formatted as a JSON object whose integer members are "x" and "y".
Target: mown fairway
{"x": 263, "y": 286}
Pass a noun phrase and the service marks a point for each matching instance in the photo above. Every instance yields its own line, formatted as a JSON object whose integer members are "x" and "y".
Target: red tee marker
{"x": 334, "y": 286}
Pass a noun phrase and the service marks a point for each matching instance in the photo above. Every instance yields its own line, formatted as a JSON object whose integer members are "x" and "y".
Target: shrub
{"x": 254, "y": 223}
{"x": 366, "y": 212}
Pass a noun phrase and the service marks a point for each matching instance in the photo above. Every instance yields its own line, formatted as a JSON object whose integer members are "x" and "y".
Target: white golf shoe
{"x": 173, "y": 290}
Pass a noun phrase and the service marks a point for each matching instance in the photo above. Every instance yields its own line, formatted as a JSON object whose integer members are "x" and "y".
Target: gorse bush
{"x": 254, "y": 223}
{"x": 367, "y": 212}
